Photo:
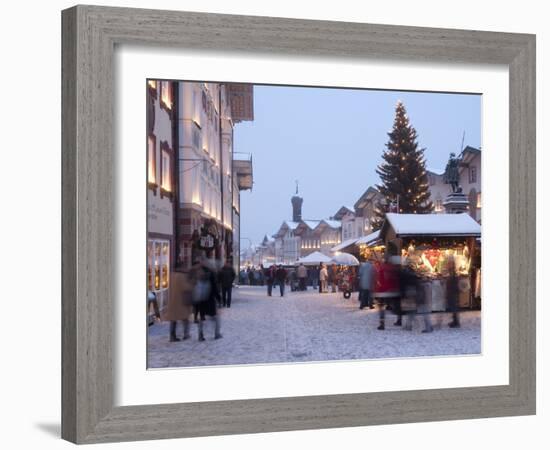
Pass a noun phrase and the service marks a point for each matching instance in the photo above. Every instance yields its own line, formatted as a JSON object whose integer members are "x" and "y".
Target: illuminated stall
{"x": 371, "y": 247}
{"x": 426, "y": 242}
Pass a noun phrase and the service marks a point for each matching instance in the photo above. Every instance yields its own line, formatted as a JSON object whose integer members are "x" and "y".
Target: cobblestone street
{"x": 307, "y": 326}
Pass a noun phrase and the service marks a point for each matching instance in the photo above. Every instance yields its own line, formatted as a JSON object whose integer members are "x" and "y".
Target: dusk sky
{"x": 331, "y": 140}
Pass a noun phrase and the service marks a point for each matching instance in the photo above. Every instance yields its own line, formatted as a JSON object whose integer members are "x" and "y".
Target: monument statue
{"x": 451, "y": 175}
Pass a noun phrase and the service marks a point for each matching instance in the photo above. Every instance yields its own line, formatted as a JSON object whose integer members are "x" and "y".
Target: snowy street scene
{"x": 296, "y": 224}
{"x": 306, "y": 326}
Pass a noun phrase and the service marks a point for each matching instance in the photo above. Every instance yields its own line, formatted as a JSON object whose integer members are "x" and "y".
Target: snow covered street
{"x": 307, "y": 326}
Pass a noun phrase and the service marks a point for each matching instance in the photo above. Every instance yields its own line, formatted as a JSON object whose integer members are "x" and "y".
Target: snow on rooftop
{"x": 369, "y": 238}
{"x": 312, "y": 223}
{"x": 434, "y": 224}
{"x": 343, "y": 245}
{"x": 333, "y": 223}
{"x": 315, "y": 258}
{"x": 292, "y": 225}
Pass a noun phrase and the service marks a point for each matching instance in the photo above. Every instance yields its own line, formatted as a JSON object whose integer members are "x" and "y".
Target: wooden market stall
{"x": 426, "y": 241}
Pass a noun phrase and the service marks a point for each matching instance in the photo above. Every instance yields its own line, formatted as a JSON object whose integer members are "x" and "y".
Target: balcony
{"x": 242, "y": 170}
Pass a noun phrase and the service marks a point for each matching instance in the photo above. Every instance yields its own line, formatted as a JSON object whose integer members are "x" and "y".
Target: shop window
{"x": 478, "y": 200}
{"x": 158, "y": 255}
{"x": 166, "y": 98}
{"x": 152, "y": 163}
{"x": 473, "y": 174}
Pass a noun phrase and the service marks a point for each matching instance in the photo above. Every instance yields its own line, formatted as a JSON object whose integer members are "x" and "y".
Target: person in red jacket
{"x": 386, "y": 289}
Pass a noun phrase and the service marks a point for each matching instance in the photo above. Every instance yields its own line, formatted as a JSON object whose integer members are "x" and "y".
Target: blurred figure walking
{"x": 205, "y": 295}
{"x": 452, "y": 292}
{"x": 179, "y": 304}
{"x": 152, "y": 300}
{"x": 227, "y": 277}
{"x": 366, "y": 276}
{"x": 302, "y": 277}
{"x": 387, "y": 290}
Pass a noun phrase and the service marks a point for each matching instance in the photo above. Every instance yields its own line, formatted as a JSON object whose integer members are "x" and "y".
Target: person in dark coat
{"x": 452, "y": 292}
{"x": 205, "y": 295}
{"x": 269, "y": 275}
{"x": 227, "y": 277}
{"x": 280, "y": 276}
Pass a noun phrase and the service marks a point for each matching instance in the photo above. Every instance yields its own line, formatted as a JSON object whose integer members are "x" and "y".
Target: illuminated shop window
{"x": 158, "y": 260}
{"x": 479, "y": 199}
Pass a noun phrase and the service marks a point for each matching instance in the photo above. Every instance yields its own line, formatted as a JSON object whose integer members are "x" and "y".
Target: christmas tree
{"x": 404, "y": 184}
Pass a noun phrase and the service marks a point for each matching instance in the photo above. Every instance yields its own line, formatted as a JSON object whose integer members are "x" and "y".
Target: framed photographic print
{"x": 329, "y": 224}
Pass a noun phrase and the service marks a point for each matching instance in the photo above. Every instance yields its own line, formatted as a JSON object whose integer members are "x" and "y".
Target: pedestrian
{"x": 227, "y": 277}
{"x": 269, "y": 274}
{"x": 280, "y": 276}
{"x": 251, "y": 276}
{"x": 302, "y": 277}
{"x": 323, "y": 277}
{"x": 332, "y": 278}
{"x": 152, "y": 300}
{"x": 387, "y": 289}
{"x": 452, "y": 292}
{"x": 366, "y": 276}
{"x": 179, "y": 304}
{"x": 205, "y": 295}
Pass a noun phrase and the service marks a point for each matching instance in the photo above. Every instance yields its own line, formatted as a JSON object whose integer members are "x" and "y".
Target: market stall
{"x": 427, "y": 242}
{"x": 371, "y": 247}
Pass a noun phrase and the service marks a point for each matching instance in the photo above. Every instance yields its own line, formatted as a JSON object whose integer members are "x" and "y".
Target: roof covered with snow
{"x": 312, "y": 224}
{"x": 314, "y": 258}
{"x": 432, "y": 224}
{"x": 333, "y": 223}
{"x": 369, "y": 238}
{"x": 342, "y": 245}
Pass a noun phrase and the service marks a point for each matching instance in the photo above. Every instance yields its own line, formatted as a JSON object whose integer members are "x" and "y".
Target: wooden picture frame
{"x": 90, "y": 34}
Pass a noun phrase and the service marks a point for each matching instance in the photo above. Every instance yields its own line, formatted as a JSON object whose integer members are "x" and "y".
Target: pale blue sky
{"x": 331, "y": 140}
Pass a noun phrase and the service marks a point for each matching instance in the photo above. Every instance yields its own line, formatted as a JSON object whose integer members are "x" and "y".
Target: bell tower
{"x": 296, "y": 201}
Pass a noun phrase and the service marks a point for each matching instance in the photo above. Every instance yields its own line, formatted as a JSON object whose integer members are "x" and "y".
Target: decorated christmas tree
{"x": 404, "y": 182}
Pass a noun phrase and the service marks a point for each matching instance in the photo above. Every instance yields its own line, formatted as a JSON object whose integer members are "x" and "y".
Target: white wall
{"x": 31, "y": 336}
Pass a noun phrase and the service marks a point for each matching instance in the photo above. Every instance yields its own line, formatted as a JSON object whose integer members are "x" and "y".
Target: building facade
{"x": 193, "y": 180}
{"x": 161, "y": 144}
{"x": 208, "y": 212}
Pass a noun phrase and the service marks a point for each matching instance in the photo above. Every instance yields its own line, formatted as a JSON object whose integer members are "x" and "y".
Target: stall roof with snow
{"x": 369, "y": 238}
{"x": 343, "y": 245}
{"x": 314, "y": 258}
{"x": 431, "y": 225}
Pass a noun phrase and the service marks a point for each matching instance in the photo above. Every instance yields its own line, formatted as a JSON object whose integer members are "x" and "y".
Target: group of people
{"x": 197, "y": 294}
{"x": 275, "y": 275}
{"x": 395, "y": 283}
{"x": 252, "y": 276}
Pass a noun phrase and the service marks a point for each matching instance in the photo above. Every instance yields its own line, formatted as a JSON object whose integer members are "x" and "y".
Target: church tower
{"x": 296, "y": 201}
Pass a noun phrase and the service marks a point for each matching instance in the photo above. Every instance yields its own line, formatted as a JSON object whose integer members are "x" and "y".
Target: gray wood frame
{"x": 89, "y": 36}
